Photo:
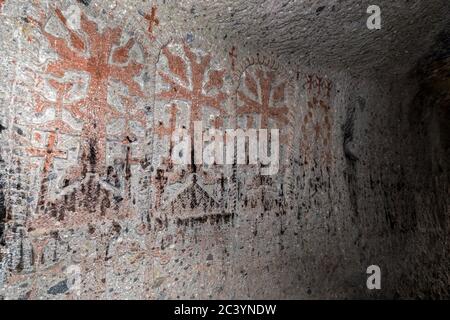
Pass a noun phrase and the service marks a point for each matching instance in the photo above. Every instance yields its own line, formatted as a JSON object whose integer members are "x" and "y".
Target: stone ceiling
{"x": 329, "y": 33}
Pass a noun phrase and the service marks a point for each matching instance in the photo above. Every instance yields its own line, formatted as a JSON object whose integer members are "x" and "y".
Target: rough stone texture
{"x": 92, "y": 91}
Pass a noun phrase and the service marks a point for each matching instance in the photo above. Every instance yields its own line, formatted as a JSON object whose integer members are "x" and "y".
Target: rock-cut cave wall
{"x": 93, "y": 207}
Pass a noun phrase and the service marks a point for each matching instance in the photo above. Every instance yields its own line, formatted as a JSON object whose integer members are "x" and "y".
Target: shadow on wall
{"x": 2, "y": 198}
{"x": 431, "y": 109}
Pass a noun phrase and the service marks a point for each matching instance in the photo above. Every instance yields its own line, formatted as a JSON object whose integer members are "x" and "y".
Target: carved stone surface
{"x": 92, "y": 205}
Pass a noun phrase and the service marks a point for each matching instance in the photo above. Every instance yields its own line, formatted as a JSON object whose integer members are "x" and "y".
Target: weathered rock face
{"x": 93, "y": 206}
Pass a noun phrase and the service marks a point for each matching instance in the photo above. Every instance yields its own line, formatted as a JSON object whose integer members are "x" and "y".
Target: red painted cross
{"x": 263, "y": 104}
{"x": 50, "y": 153}
{"x": 200, "y": 79}
{"x": 152, "y": 21}
{"x": 58, "y": 124}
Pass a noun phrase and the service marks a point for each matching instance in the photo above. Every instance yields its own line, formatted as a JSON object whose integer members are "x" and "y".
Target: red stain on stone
{"x": 163, "y": 176}
{"x": 37, "y": 136}
{"x": 96, "y": 112}
{"x": 216, "y": 122}
{"x": 58, "y": 124}
{"x": 168, "y": 131}
{"x": 193, "y": 92}
{"x": 75, "y": 39}
{"x": 99, "y": 55}
{"x": 121, "y": 55}
{"x": 177, "y": 66}
{"x": 130, "y": 114}
{"x": 319, "y": 85}
{"x": 322, "y": 85}
{"x": 327, "y": 86}
{"x": 264, "y": 100}
{"x": 161, "y": 256}
{"x": 152, "y": 21}
{"x": 53, "y": 129}
{"x": 318, "y": 119}
{"x": 160, "y": 181}
{"x": 49, "y": 153}
{"x": 309, "y": 82}
{"x": 215, "y": 79}
{"x": 278, "y": 93}
{"x": 191, "y": 78}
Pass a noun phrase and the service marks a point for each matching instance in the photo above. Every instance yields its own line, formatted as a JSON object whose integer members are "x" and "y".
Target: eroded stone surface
{"x": 91, "y": 205}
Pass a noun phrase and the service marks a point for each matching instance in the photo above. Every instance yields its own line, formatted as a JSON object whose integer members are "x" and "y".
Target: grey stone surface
{"x": 91, "y": 206}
